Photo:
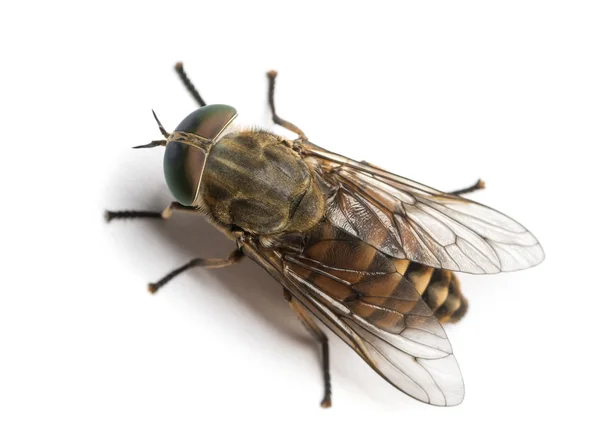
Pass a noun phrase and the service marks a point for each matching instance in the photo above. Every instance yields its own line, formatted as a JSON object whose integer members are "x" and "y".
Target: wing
{"x": 357, "y": 291}
{"x": 408, "y": 220}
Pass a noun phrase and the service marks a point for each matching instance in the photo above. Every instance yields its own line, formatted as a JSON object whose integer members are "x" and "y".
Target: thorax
{"x": 254, "y": 180}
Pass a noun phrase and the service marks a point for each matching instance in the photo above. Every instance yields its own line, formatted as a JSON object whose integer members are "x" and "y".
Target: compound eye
{"x": 208, "y": 121}
{"x": 183, "y": 164}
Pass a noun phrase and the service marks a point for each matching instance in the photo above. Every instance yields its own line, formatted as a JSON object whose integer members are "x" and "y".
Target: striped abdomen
{"x": 373, "y": 284}
{"x": 439, "y": 288}
{"x": 353, "y": 259}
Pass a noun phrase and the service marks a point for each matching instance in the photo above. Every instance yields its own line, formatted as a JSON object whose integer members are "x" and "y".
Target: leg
{"x": 480, "y": 184}
{"x": 276, "y": 119}
{"x": 168, "y": 212}
{"x": 234, "y": 257}
{"x": 188, "y": 84}
{"x": 318, "y": 334}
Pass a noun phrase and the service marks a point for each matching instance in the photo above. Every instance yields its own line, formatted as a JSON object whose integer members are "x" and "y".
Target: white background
{"x": 440, "y": 92}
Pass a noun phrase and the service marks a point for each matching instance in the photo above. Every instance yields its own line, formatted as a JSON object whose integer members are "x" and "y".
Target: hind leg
{"x": 319, "y": 336}
{"x": 479, "y": 184}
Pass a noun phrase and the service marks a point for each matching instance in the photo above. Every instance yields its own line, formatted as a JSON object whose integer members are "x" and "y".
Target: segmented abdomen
{"x": 439, "y": 288}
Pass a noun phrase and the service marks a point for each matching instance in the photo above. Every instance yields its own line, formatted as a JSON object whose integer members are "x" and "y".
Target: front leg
{"x": 234, "y": 257}
{"x": 188, "y": 84}
{"x": 165, "y": 214}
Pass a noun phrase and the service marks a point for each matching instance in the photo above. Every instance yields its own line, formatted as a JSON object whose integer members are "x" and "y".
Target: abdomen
{"x": 440, "y": 289}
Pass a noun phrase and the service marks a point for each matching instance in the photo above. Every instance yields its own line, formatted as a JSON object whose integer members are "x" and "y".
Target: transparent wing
{"x": 358, "y": 293}
{"x": 408, "y": 220}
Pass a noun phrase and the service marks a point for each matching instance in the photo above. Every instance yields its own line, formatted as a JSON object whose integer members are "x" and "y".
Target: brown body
{"x": 370, "y": 254}
{"x": 257, "y": 182}
{"x": 440, "y": 289}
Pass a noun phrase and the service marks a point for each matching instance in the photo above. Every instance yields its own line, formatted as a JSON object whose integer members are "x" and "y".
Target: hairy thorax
{"x": 256, "y": 181}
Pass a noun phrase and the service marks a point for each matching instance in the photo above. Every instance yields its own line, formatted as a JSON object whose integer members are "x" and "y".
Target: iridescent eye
{"x": 183, "y": 163}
